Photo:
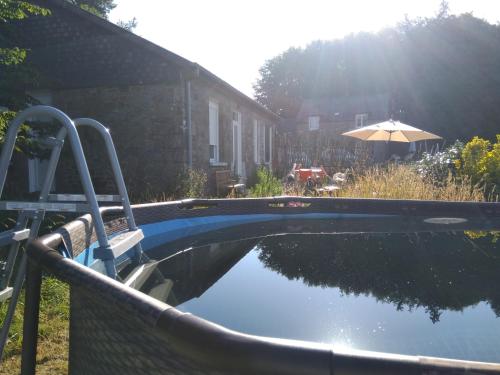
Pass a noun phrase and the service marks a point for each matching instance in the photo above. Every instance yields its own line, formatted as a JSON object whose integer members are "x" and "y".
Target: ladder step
{"x": 10, "y": 236}
{"x": 161, "y": 291}
{"x": 5, "y": 294}
{"x": 82, "y": 198}
{"x": 140, "y": 275}
{"x": 119, "y": 244}
{"x": 45, "y": 206}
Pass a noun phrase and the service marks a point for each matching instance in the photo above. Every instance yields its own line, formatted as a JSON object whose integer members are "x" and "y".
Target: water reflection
{"x": 421, "y": 293}
{"x": 189, "y": 273}
{"x": 436, "y": 271}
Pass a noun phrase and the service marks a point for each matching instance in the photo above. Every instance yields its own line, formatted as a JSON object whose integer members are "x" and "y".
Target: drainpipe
{"x": 187, "y": 101}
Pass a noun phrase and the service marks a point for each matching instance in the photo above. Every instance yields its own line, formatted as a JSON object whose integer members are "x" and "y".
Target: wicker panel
{"x": 105, "y": 340}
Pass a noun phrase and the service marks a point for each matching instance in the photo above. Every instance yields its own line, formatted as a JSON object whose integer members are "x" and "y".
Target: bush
{"x": 437, "y": 167}
{"x": 489, "y": 165}
{"x": 267, "y": 185}
{"x": 193, "y": 184}
{"x": 472, "y": 154}
{"x": 480, "y": 163}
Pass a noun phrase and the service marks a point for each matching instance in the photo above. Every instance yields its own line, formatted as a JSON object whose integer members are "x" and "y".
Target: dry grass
{"x": 403, "y": 182}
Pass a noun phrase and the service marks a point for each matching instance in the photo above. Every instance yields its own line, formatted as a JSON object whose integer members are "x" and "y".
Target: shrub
{"x": 489, "y": 165}
{"x": 437, "y": 167}
{"x": 193, "y": 184}
{"x": 267, "y": 185}
{"x": 473, "y": 152}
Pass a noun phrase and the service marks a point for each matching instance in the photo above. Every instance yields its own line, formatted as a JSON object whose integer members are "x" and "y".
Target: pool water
{"x": 419, "y": 293}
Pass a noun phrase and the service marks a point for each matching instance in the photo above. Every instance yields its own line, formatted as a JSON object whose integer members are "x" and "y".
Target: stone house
{"x": 165, "y": 113}
{"x": 314, "y": 134}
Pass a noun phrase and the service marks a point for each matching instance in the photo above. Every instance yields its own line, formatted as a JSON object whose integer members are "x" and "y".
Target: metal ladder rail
{"x": 68, "y": 127}
{"x": 5, "y": 157}
{"x": 118, "y": 176}
{"x": 23, "y": 219}
{"x": 78, "y": 154}
{"x": 15, "y": 242}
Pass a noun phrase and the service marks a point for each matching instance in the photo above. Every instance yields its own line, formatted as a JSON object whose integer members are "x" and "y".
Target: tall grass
{"x": 404, "y": 182}
{"x": 191, "y": 183}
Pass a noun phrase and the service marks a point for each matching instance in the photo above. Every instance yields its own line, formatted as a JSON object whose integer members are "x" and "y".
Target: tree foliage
{"x": 439, "y": 70}
{"x": 16, "y": 10}
{"x": 100, "y": 8}
{"x": 128, "y": 25}
{"x": 16, "y": 73}
{"x": 433, "y": 271}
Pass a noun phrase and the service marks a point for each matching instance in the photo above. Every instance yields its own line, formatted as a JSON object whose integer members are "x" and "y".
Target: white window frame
{"x": 213, "y": 131}
{"x": 237, "y": 141}
{"x": 270, "y": 145}
{"x": 256, "y": 158}
{"x": 37, "y": 168}
{"x": 360, "y": 120}
{"x": 313, "y": 123}
{"x": 259, "y": 142}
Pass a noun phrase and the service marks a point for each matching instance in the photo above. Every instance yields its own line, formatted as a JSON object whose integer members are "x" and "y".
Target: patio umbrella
{"x": 391, "y": 131}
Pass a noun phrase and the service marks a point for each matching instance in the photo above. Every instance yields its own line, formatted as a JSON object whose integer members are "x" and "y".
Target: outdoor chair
{"x": 227, "y": 185}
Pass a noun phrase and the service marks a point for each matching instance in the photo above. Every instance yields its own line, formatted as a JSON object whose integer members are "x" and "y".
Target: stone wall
{"x": 146, "y": 126}
{"x": 202, "y": 93}
{"x": 146, "y": 123}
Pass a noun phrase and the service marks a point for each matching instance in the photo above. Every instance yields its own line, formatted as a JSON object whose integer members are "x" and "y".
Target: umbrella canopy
{"x": 391, "y": 131}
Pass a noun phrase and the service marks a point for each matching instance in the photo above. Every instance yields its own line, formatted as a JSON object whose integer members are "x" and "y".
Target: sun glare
{"x": 233, "y": 39}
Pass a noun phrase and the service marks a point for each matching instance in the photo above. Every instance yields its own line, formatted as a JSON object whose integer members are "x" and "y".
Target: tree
{"x": 128, "y": 25}
{"x": 439, "y": 70}
{"x": 16, "y": 10}
{"x": 13, "y": 70}
{"x": 100, "y": 8}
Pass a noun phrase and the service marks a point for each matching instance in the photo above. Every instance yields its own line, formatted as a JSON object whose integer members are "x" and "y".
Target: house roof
{"x": 345, "y": 108}
{"x": 121, "y": 37}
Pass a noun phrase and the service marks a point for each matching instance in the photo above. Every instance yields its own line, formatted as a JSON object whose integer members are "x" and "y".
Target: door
{"x": 237, "y": 149}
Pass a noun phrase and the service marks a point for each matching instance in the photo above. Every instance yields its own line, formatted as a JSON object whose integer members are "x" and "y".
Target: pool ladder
{"x": 31, "y": 214}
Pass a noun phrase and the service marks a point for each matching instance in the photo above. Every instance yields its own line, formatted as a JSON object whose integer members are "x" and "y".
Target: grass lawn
{"x": 52, "y": 355}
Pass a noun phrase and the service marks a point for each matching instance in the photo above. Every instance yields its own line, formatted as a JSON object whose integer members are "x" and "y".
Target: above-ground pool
{"x": 285, "y": 286}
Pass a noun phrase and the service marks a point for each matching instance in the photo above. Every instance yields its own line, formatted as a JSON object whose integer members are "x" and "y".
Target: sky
{"x": 234, "y": 38}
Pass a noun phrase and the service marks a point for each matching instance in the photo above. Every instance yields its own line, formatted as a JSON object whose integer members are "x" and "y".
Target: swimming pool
{"x": 286, "y": 286}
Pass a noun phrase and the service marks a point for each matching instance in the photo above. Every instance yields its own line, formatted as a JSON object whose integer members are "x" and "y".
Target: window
{"x": 237, "y": 143}
{"x": 213, "y": 123}
{"x": 37, "y": 168}
{"x": 313, "y": 122}
{"x": 263, "y": 139}
{"x": 360, "y": 120}
{"x": 268, "y": 145}
{"x": 256, "y": 142}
